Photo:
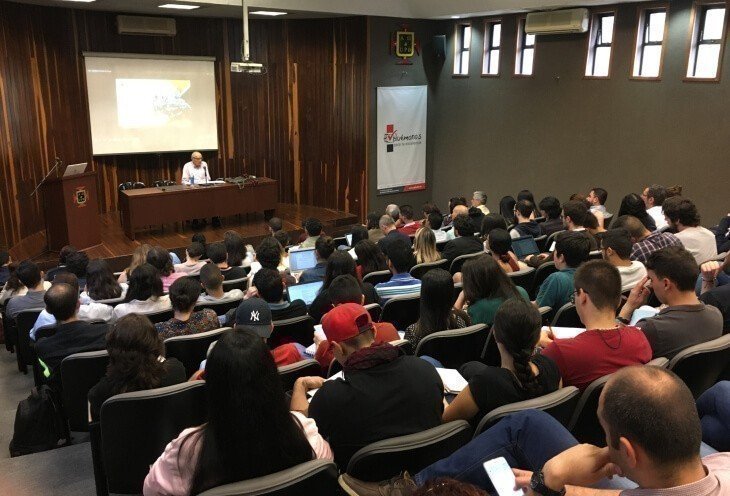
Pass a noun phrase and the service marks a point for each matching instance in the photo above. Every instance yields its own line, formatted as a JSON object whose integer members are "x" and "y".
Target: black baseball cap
{"x": 254, "y": 313}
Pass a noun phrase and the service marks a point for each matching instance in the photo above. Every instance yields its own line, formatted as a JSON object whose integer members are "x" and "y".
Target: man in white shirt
{"x": 479, "y": 200}
{"x": 681, "y": 214}
{"x": 195, "y": 171}
{"x": 616, "y": 249}
{"x": 192, "y": 264}
{"x": 654, "y": 197}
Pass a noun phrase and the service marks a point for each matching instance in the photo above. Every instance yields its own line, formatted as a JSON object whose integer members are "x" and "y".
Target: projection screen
{"x": 146, "y": 104}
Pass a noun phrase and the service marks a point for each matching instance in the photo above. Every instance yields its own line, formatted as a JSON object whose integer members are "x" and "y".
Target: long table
{"x": 141, "y": 208}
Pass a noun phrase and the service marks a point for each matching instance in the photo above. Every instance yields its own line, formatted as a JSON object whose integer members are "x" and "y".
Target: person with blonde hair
{"x": 139, "y": 257}
{"x": 424, "y": 246}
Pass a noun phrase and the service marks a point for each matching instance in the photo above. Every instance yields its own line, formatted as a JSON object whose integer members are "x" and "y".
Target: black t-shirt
{"x": 232, "y": 273}
{"x": 70, "y": 338}
{"x": 493, "y": 387}
{"x": 296, "y": 308}
{"x": 174, "y": 374}
{"x": 461, "y": 245}
{"x": 719, "y": 298}
{"x": 323, "y": 304}
{"x": 392, "y": 399}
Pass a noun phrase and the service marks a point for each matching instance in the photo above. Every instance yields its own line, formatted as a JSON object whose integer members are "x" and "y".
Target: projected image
{"x": 144, "y": 103}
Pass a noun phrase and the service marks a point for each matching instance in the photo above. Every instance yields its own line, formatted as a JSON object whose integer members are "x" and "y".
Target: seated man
{"x": 550, "y": 209}
{"x": 644, "y": 241}
{"x": 313, "y": 227}
{"x": 383, "y": 394}
{"x": 654, "y": 197}
{"x": 525, "y": 226}
{"x": 218, "y": 255}
{"x": 605, "y": 346}
{"x": 270, "y": 288}
{"x": 479, "y": 200}
{"x": 72, "y": 335}
{"x": 684, "y": 321}
{"x": 571, "y": 250}
{"x": 192, "y": 264}
{"x": 323, "y": 249}
{"x": 400, "y": 262}
{"x": 654, "y": 439}
{"x": 212, "y": 280}
{"x": 574, "y": 219}
{"x": 712, "y": 293}
{"x": 616, "y": 249}
{"x": 61, "y": 267}
{"x": 77, "y": 263}
{"x": 32, "y": 278}
{"x": 409, "y": 225}
{"x": 275, "y": 225}
{"x": 597, "y": 199}
{"x": 390, "y": 234}
{"x": 682, "y": 216}
{"x": 464, "y": 241}
{"x": 184, "y": 294}
{"x": 434, "y": 221}
{"x": 457, "y": 211}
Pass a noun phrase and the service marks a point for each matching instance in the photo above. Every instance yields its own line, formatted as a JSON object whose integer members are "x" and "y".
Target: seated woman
{"x": 633, "y": 204}
{"x": 358, "y": 234}
{"x": 522, "y": 374}
{"x": 486, "y": 287}
{"x": 370, "y": 258}
{"x": 500, "y": 245}
{"x": 139, "y": 256}
{"x": 101, "y": 284}
{"x": 424, "y": 246}
{"x": 184, "y": 295}
{"x": 436, "y": 311}
{"x": 250, "y": 431}
{"x": 160, "y": 259}
{"x": 338, "y": 264}
{"x": 145, "y": 293}
{"x": 136, "y": 362}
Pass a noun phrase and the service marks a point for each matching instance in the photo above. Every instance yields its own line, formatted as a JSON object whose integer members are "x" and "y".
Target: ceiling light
{"x": 454, "y": 17}
{"x": 267, "y": 13}
{"x": 80, "y": 1}
{"x": 179, "y": 6}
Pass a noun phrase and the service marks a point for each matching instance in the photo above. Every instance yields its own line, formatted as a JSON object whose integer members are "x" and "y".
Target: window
{"x": 707, "y": 40}
{"x": 492, "y": 41}
{"x": 649, "y": 41}
{"x": 461, "y": 55}
{"x": 599, "y": 47}
{"x": 525, "y": 51}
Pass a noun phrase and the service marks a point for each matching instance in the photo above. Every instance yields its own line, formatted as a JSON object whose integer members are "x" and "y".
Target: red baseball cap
{"x": 345, "y": 322}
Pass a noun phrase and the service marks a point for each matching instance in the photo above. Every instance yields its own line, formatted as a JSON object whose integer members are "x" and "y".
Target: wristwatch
{"x": 537, "y": 484}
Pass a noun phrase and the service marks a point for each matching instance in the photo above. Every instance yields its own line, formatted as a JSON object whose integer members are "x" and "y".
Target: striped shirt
{"x": 653, "y": 242}
{"x": 399, "y": 284}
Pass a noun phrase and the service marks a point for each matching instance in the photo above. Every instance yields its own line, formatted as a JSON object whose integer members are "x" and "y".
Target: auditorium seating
{"x": 542, "y": 272}
{"x": 242, "y": 284}
{"x": 375, "y": 310}
{"x": 193, "y": 348}
{"x": 401, "y": 310}
{"x": 454, "y": 347}
{"x": 419, "y": 270}
{"x": 567, "y": 316}
{"x": 290, "y": 373}
{"x": 25, "y": 353}
{"x": 295, "y": 330}
{"x": 79, "y": 373}
{"x": 701, "y": 365}
{"x": 461, "y": 259}
{"x": 523, "y": 278}
{"x": 219, "y": 308}
{"x": 377, "y": 277}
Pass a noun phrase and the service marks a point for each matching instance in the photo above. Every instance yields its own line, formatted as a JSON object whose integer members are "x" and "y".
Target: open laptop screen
{"x": 302, "y": 259}
{"x": 524, "y": 246}
{"x": 307, "y": 292}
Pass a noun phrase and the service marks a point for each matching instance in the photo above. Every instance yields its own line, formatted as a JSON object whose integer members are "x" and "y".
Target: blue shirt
{"x": 399, "y": 284}
{"x": 174, "y": 257}
{"x": 557, "y": 289}
{"x": 314, "y": 274}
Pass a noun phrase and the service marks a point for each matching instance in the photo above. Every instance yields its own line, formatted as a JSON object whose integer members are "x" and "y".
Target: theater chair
{"x": 461, "y": 259}
{"x": 79, "y": 373}
{"x": 161, "y": 316}
{"x": 241, "y": 284}
{"x": 193, "y": 348}
{"x": 402, "y": 310}
{"x": 295, "y": 330}
{"x": 377, "y": 277}
{"x": 542, "y": 272}
{"x": 375, "y": 310}
{"x": 523, "y": 278}
{"x": 419, "y": 270}
{"x": 219, "y": 308}
{"x": 455, "y": 347}
{"x": 304, "y": 368}
{"x": 701, "y": 365}
{"x": 25, "y": 354}
{"x": 567, "y": 316}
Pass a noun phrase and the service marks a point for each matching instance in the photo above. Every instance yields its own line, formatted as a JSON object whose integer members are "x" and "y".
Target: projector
{"x": 247, "y": 67}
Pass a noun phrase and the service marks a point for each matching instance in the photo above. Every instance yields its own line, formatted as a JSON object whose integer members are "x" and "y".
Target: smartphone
{"x": 552, "y": 247}
{"x": 502, "y": 478}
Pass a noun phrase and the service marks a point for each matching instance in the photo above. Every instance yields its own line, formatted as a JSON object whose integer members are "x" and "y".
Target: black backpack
{"x": 39, "y": 423}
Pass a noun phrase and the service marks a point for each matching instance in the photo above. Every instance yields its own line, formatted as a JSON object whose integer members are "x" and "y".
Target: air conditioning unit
{"x": 557, "y": 22}
{"x": 149, "y": 26}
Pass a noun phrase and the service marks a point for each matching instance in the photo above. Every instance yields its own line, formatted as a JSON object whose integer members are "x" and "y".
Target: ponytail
{"x": 524, "y": 372}
{"x": 517, "y": 326}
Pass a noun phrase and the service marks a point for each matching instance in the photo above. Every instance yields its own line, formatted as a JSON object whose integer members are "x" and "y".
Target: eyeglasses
{"x": 572, "y": 295}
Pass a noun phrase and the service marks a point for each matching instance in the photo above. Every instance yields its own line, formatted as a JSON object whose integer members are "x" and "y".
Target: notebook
{"x": 453, "y": 381}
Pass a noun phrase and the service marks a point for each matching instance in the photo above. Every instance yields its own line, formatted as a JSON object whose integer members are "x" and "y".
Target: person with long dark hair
{"x": 486, "y": 287}
{"x": 521, "y": 375}
{"x": 236, "y": 249}
{"x": 436, "y": 307}
{"x": 633, "y": 205}
{"x": 160, "y": 259}
{"x": 101, "y": 283}
{"x": 136, "y": 362}
{"x": 145, "y": 293}
{"x": 357, "y": 234}
{"x": 370, "y": 258}
{"x": 507, "y": 209}
{"x": 500, "y": 245}
{"x": 490, "y": 222}
{"x": 250, "y": 431}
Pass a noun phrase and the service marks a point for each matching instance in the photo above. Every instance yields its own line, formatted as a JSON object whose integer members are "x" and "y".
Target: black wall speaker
{"x": 439, "y": 46}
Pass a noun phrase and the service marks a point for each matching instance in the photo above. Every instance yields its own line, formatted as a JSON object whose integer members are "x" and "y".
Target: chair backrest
{"x": 290, "y": 373}
{"x": 136, "y": 427}
{"x": 25, "y": 321}
{"x": 220, "y": 308}
{"x": 112, "y": 302}
{"x": 414, "y": 452}
{"x": 454, "y": 347}
{"x": 541, "y": 240}
{"x": 551, "y": 238}
{"x": 79, "y": 373}
{"x": 418, "y": 270}
{"x": 296, "y": 330}
{"x": 584, "y": 423}
{"x": 402, "y": 310}
{"x": 542, "y": 272}
{"x": 241, "y": 284}
{"x": 560, "y": 404}
{"x": 567, "y": 316}
{"x": 595, "y": 255}
{"x": 490, "y": 354}
{"x": 193, "y": 348}
{"x": 523, "y": 277}
{"x": 139, "y": 185}
{"x": 161, "y": 316}
{"x": 375, "y": 311}
{"x": 312, "y": 477}
{"x": 377, "y": 276}
{"x": 457, "y": 263}
{"x": 334, "y": 367}
{"x": 700, "y": 366}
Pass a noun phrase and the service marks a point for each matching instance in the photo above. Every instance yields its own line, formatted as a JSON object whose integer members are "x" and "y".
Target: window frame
{"x": 640, "y": 29}
{"x": 521, "y": 36}
{"x": 699, "y": 7}
{"x": 458, "y": 47}
{"x": 488, "y": 30}
{"x": 593, "y": 35}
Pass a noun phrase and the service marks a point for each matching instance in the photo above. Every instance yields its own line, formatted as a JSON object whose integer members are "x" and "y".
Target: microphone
{"x": 205, "y": 166}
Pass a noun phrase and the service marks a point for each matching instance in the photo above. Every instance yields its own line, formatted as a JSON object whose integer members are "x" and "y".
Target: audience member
{"x": 373, "y": 226}
{"x": 605, "y": 346}
{"x": 390, "y": 234}
{"x": 136, "y": 362}
{"x": 192, "y": 264}
{"x": 394, "y": 211}
{"x": 369, "y": 258}
{"x": 713, "y": 407}
{"x": 400, "y": 262}
{"x": 145, "y": 293}
{"x": 571, "y": 250}
{"x": 593, "y": 226}
{"x": 101, "y": 284}
{"x": 434, "y": 221}
{"x": 633, "y": 205}
{"x": 314, "y": 231}
{"x": 269, "y": 254}
{"x": 521, "y": 375}
{"x": 249, "y": 433}
{"x": 653, "y": 197}
{"x": 77, "y": 262}
{"x": 616, "y": 249}
{"x": 424, "y": 246}
{"x": 489, "y": 223}
{"x": 238, "y": 254}
{"x": 526, "y": 194}
{"x": 722, "y": 234}
{"x": 409, "y": 226}
{"x": 712, "y": 294}
{"x": 270, "y": 288}
{"x": 464, "y": 243}
{"x": 644, "y": 241}
{"x": 428, "y": 209}
{"x": 525, "y": 225}
{"x": 476, "y": 217}
{"x": 139, "y": 257}
{"x": 436, "y": 307}
{"x": 5, "y": 262}
{"x": 275, "y": 225}
{"x": 500, "y": 245}
{"x": 218, "y": 255}
{"x": 200, "y": 238}
{"x": 283, "y": 238}
{"x": 31, "y": 277}
{"x": 13, "y": 286}
{"x": 507, "y": 209}
{"x": 574, "y": 218}
{"x": 551, "y": 209}
{"x": 212, "y": 281}
{"x": 684, "y": 321}
{"x": 682, "y": 216}
{"x": 459, "y": 210}
{"x": 323, "y": 249}
{"x": 357, "y": 234}
{"x": 62, "y": 261}
{"x": 256, "y": 315}
{"x": 159, "y": 258}
{"x": 453, "y": 203}
{"x": 184, "y": 294}
{"x": 479, "y": 200}
{"x": 597, "y": 201}
{"x": 486, "y": 287}
{"x": 386, "y": 394}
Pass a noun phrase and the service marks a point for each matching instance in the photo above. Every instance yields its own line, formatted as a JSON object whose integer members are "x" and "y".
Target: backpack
{"x": 39, "y": 423}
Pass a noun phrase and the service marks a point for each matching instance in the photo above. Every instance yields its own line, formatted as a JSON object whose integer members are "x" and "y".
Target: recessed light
{"x": 80, "y": 1}
{"x": 267, "y": 13}
{"x": 179, "y": 6}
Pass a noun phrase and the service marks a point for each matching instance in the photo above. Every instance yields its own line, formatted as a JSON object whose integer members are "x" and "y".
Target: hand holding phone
{"x": 502, "y": 477}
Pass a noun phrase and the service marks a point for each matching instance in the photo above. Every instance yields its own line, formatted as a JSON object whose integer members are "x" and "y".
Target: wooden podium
{"x": 70, "y": 205}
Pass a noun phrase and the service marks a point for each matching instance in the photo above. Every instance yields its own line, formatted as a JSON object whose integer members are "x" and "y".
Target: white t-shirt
{"x": 657, "y": 214}
{"x": 201, "y": 174}
{"x": 232, "y": 295}
{"x": 700, "y": 242}
{"x": 150, "y": 305}
{"x": 631, "y": 274}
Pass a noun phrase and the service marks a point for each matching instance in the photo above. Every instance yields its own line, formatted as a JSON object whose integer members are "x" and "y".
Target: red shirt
{"x": 384, "y": 332}
{"x": 593, "y": 354}
{"x": 286, "y": 354}
{"x": 410, "y": 228}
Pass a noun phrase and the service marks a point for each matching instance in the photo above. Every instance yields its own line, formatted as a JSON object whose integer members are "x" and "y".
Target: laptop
{"x": 524, "y": 246}
{"x": 349, "y": 239}
{"x": 307, "y": 292}
{"x": 75, "y": 169}
{"x": 302, "y": 259}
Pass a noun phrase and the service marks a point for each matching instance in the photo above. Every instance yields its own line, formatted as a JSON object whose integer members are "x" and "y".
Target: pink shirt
{"x": 167, "y": 477}
{"x": 716, "y": 483}
{"x": 168, "y": 280}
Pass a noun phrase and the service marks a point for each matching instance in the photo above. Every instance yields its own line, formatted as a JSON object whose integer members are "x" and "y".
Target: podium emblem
{"x": 80, "y": 196}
